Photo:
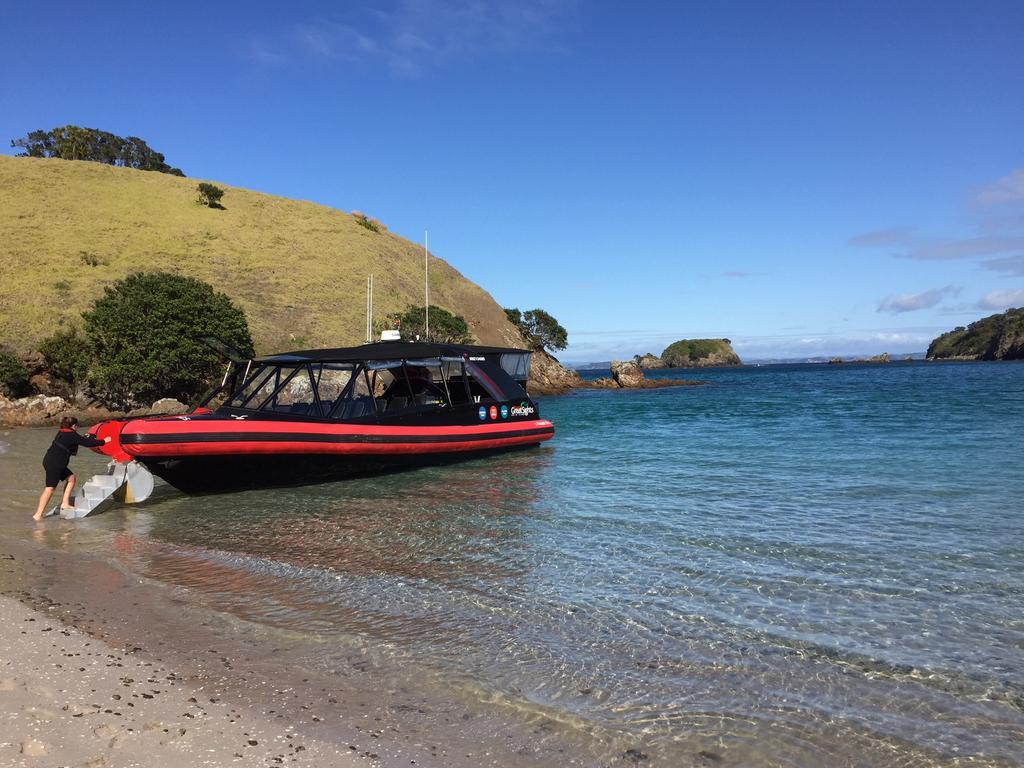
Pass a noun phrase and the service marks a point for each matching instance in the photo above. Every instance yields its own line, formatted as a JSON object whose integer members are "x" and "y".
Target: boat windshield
{"x": 339, "y": 390}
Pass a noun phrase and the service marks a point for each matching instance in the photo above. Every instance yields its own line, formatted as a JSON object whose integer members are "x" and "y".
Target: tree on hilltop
{"x": 72, "y": 142}
{"x": 540, "y": 330}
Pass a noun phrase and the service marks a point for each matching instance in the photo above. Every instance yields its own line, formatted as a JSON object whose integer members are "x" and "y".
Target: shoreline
{"x": 263, "y": 679}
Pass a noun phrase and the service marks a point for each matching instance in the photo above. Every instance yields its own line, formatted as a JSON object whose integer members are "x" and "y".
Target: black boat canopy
{"x": 388, "y": 350}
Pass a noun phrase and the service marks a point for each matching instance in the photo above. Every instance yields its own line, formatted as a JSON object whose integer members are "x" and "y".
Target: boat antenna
{"x": 426, "y": 285}
{"x": 369, "y": 309}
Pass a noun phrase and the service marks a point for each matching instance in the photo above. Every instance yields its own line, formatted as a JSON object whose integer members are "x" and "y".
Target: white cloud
{"x": 1011, "y": 265}
{"x": 881, "y": 237}
{"x": 911, "y": 302}
{"x": 409, "y": 36}
{"x": 1009, "y": 189}
{"x": 996, "y": 213}
{"x": 1002, "y": 299}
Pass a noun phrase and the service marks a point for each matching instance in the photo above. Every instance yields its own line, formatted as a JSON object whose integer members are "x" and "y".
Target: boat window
{"x": 294, "y": 393}
{"x": 516, "y": 365}
{"x": 253, "y": 385}
{"x": 489, "y": 380}
{"x": 355, "y": 401}
{"x": 331, "y": 380}
{"x": 418, "y": 383}
{"x": 459, "y": 389}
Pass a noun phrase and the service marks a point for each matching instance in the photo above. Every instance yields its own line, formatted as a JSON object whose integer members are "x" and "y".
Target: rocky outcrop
{"x": 550, "y": 377}
{"x": 649, "y": 362}
{"x": 700, "y": 353}
{"x": 31, "y": 411}
{"x": 627, "y": 374}
{"x": 169, "y": 406}
{"x": 45, "y": 410}
{"x": 996, "y": 337}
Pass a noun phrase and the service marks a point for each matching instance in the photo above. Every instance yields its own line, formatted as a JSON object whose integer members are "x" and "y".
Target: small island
{"x": 996, "y": 337}
{"x": 692, "y": 353}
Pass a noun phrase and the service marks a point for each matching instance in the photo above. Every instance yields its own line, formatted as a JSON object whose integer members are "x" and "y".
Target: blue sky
{"x": 804, "y": 178}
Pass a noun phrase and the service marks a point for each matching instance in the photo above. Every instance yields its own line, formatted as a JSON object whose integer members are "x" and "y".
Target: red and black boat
{"x": 326, "y": 414}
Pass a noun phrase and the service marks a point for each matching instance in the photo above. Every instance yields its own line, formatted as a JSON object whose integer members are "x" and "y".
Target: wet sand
{"x": 199, "y": 687}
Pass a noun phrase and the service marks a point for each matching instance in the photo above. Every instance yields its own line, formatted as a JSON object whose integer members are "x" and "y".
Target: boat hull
{"x": 200, "y": 454}
{"x": 198, "y": 475}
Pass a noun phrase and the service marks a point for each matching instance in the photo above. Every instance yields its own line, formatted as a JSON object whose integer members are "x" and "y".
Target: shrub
{"x": 90, "y": 259}
{"x": 365, "y": 221}
{"x": 67, "y": 356}
{"x": 445, "y": 327}
{"x": 13, "y": 376}
{"x": 210, "y": 194}
{"x": 145, "y": 332}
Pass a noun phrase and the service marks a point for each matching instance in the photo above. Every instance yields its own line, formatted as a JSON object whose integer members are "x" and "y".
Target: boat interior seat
{"x": 354, "y": 408}
{"x": 397, "y": 403}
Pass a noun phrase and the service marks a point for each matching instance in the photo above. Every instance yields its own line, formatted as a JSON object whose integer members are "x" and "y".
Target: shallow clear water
{"x": 797, "y": 564}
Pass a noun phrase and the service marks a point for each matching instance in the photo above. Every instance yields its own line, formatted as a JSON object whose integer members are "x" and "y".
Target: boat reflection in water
{"x": 375, "y": 551}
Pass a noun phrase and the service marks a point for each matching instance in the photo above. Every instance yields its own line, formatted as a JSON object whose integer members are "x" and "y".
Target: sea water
{"x": 796, "y": 564}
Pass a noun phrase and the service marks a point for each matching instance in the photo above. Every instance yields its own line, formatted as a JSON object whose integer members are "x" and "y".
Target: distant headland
{"x": 996, "y": 337}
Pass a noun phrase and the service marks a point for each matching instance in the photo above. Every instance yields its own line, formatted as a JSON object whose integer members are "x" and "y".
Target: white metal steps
{"x": 127, "y": 483}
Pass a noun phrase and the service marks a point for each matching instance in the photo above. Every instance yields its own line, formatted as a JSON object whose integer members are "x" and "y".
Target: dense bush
{"x": 210, "y": 194}
{"x": 145, "y": 332}
{"x": 445, "y": 327}
{"x": 13, "y": 376}
{"x": 67, "y": 356}
{"x": 540, "y": 330}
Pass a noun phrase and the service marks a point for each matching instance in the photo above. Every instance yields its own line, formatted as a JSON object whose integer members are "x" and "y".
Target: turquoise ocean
{"x": 788, "y": 565}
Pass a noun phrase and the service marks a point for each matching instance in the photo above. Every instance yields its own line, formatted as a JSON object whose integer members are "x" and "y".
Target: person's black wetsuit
{"x": 58, "y": 455}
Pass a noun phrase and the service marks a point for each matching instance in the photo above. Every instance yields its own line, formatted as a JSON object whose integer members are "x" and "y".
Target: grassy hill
{"x": 298, "y": 269}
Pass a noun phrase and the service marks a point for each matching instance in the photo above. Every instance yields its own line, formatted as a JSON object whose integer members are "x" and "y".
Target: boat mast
{"x": 369, "y": 309}
{"x": 426, "y": 286}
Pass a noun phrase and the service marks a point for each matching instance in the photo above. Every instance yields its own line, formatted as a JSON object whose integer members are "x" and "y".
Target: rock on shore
{"x": 629, "y": 375}
{"x": 48, "y": 410}
{"x": 649, "y": 361}
{"x": 550, "y": 377}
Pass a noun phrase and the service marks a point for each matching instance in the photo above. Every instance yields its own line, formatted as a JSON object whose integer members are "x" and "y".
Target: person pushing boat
{"x": 56, "y": 460}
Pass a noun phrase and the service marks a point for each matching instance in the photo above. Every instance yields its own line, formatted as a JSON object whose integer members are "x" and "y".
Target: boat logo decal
{"x": 483, "y": 413}
{"x": 494, "y": 412}
{"x": 243, "y": 416}
{"x": 184, "y": 418}
{"x": 504, "y": 411}
{"x": 523, "y": 409}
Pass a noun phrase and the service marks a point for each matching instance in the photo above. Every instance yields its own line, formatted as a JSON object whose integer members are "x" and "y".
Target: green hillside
{"x": 996, "y": 337}
{"x": 298, "y": 269}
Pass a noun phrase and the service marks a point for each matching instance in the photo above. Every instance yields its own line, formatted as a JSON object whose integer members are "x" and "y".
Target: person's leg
{"x": 44, "y": 497}
{"x": 69, "y": 486}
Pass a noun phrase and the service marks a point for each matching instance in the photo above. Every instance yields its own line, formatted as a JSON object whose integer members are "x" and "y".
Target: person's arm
{"x": 87, "y": 441}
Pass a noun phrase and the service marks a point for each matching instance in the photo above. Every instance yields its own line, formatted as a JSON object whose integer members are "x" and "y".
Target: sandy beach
{"x": 71, "y": 700}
